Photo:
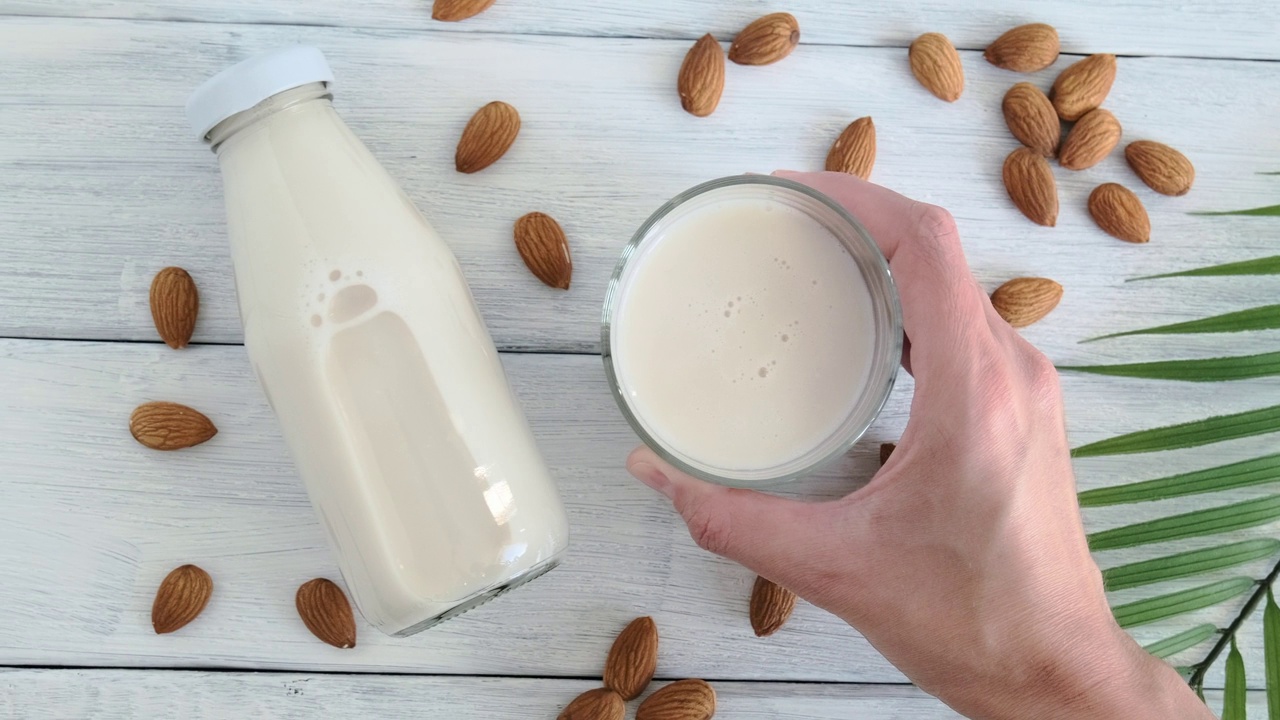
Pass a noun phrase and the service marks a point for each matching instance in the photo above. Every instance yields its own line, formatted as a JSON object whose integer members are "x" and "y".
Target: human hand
{"x": 964, "y": 559}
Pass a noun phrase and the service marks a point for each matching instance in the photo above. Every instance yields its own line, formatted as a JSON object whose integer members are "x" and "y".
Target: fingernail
{"x": 653, "y": 477}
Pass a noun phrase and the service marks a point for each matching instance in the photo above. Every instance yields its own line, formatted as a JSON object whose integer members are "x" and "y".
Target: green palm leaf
{"x": 1182, "y": 641}
{"x": 1186, "y": 564}
{"x": 1235, "y": 367}
{"x": 1260, "y": 266}
{"x": 1197, "y": 523}
{"x": 1266, "y": 317}
{"x": 1189, "y": 434}
{"x": 1177, "y": 603}
{"x": 1261, "y": 211}
{"x": 1271, "y": 644}
{"x": 1233, "y": 696}
{"x": 1256, "y": 471}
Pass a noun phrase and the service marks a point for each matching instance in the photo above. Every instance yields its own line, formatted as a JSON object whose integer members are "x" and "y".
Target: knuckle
{"x": 711, "y": 530}
{"x": 936, "y": 222}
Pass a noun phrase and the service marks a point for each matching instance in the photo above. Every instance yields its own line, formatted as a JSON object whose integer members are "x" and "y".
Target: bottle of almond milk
{"x": 370, "y": 349}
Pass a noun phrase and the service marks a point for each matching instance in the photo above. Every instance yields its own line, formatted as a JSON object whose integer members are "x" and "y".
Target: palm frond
{"x": 1197, "y": 523}
{"x": 1188, "y": 434}
{"x": 1234, "y": 696}
{"x": 1273, "y": 210}
{"x": 1265, "y": 317}
{"x": 1186, "y": 564}
{"x": 1160, "y": 607}
{"x": 1219, "y": 369}
{"x": 1256, "y": 471}
{"x": 1184, "y": 640}
{"x": 1258, "y": 266}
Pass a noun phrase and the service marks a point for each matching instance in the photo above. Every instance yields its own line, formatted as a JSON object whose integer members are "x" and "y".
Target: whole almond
{"x": 455, "y": 10}
{"x": 174, "y": 306}
{"x": 544, "y": 248}
{"x": 488, "y": 135}
{"x": 771, "y": 605}
{"x": 766, "y": 40}
{"x": 181, "y": 596}
{"x": 854, "y": 152}
{"x": 936, "y": 64}
{"x": 1029, "y": 181}
{"x": 325, "y": 611}
{"x": 681, "y": 700}
{"x": 1094, "y": 136}
{"x": 886, "y": 449}
{"x": 1162, "y": 168}
{"x": 1118, "y": 211}
{"x": 1083, "y": 86}
{"x": 1024, "y": 300}
{"x": 701, "y": 80}
{"x": 598, "y": 704}
{"x": 1032, "y": 119}
{"x": 1026, "y": 48}
{"x": 633, "y": 658}
{"x": 169, "y": 426}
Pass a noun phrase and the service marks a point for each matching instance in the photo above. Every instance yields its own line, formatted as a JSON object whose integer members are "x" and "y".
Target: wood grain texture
{"x": 92, "y": 521}
{"x": 101, "y": 189}
{"x": 1199, "y": 28}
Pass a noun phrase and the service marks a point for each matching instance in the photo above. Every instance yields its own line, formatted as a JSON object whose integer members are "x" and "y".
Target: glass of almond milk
{"x": 751, "y": 330}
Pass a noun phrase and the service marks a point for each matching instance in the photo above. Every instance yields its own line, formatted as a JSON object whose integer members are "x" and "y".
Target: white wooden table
{"x": 101, "y": 185}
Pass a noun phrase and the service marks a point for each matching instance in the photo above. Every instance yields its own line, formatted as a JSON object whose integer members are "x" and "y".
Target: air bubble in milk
{"x": 334, "y": 275}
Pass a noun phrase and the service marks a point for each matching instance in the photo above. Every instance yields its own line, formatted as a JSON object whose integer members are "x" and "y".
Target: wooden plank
{"x": 91, "y": 522}
{"x": 102, "y": 188}
{"x": 127, "y": 694}
{"x": 1239, "y": 29}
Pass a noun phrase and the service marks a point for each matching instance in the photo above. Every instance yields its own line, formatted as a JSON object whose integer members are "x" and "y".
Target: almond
{"x": 1024, "y": 300}
{"x": 681, "y": 700}
{"x": 544, "y": 248}
{"x": 174, "y": 305}
{"x": 598, "y": 704}
{"x": 1032, "y": 119}
{"x": 455, "y": 10}
{"x": 1026, "y": 48}
{"x": 766, "y": 40}
{"x": 1162, "y": 168}
{"x": 1094, "y": 136}
{"x": 181, "y": 597}
{"x": 936, "y": 64}
{"x": 488, "y": 136}
{"x": 886, "y": 449}
{"x": 854, "y": 152}
{"x": 1083, "y": 86}
{"x": 701, "y": 79}
{"x": 771, "y": 605}
{"x": 1118, "y": 211}
{"x": 633, "y": 658}
{"x": 325, "y": 611}
{"x": 1029, "y": 181}
{"x": 169, "y": 426}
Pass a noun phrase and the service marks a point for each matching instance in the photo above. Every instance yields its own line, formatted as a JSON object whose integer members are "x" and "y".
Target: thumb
{"x": 773, "y": 536}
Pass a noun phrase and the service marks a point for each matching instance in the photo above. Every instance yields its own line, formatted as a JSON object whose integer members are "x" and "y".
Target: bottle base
{"x": 480, "y": 598}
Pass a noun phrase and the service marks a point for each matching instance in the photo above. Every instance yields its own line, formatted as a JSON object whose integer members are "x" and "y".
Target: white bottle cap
{"x": 251, "y": 81}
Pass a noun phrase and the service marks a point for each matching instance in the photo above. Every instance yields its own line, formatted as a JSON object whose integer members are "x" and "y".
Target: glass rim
{"x": 613, "y": 297}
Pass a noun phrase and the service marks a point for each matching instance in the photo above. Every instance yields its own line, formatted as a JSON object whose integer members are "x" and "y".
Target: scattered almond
{"x": 1032, "y": 119}
{"x": 633, "y": 658}
{"x": 455, "y": 10}
{"x": 488, "y": 136}
{"x": 701, "y": 79}
{"x": 169, "y": 426}
{"x": 1094, "y": 136}
{"x": 771, "y": 606}
{"x": 325, "y": 611}
{"x": 936, "y": 64}
{"x": 681, "y": 700}
{"x": 1026, "y": 48}
{"x": 766, "y": 40}
{"x": 1024, "y": 300}
{"x": 1083, "y": 86}
{"x": 886, "y": 449}
{"x": 1029, "y": 181}
{"x": 854, "y": 152}
{"x": 181, "y": 597}
{"x": 174, "y": 305}
{"x": 1118, "y": 211}
{"x": 598, "y": 704}
{"x": 1162, "y": 168}
{"x": 544, "y": 248}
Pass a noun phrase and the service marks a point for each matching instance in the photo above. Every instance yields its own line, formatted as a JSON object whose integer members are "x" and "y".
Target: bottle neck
{"x": 279, "y": 102}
